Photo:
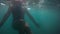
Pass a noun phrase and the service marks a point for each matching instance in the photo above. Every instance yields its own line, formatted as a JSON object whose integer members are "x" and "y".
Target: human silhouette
{"x": 18, "y": 18}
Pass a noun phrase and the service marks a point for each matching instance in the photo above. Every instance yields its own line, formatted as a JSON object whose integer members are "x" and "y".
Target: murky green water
{"x": 46, "y": 18}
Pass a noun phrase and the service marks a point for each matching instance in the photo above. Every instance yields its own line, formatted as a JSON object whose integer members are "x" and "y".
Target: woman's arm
{"x": 5, "y": 17}
{"x": 31, "y": 17}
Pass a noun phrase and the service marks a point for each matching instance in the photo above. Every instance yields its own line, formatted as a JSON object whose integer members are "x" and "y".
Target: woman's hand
{"x": 26, "y": 25}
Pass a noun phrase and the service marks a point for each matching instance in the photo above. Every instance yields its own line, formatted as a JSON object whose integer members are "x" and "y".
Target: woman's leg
{"x": 28, "y": 31}
{"x": 21, "y": 31}
{"x": 22, "y": 27}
